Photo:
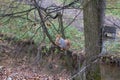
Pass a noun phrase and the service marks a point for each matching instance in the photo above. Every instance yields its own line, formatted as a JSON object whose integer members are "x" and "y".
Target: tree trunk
{"x": 93, "y": 11}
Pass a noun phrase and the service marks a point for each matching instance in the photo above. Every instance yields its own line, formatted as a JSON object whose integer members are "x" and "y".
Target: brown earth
{"x": 16, "y": 63}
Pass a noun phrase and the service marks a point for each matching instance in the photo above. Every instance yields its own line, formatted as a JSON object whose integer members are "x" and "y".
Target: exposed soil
{"x": 16, "y": 64}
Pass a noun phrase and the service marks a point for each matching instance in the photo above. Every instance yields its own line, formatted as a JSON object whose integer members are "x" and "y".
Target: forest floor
{"x": 14, "y": 68}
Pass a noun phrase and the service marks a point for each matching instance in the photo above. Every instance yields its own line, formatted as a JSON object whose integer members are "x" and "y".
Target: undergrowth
{"x": 35, "y": 33}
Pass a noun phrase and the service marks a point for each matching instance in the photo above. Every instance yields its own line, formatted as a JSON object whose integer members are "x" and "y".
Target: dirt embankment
{"x": 18, "y": 61}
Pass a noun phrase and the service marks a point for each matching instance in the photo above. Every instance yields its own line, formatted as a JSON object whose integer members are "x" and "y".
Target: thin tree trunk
{"x": 93, "y": 22}
{"x": 60, "y": 20}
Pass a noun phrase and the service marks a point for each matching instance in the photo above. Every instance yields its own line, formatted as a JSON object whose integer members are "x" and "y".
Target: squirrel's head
{"x": 58, "y": 36}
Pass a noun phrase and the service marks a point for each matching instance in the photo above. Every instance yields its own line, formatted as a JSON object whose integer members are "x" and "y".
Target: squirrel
{"x": 64, "y": 44}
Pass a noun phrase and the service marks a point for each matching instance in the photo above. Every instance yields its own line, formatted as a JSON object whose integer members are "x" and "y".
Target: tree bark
{"x": 93, "y": 11}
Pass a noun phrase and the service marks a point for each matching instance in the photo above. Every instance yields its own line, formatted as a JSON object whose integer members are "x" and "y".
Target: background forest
{"x": 28, "y": 30}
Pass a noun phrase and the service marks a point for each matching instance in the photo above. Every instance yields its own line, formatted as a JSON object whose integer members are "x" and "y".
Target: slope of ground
{"x": 14, "y": 68}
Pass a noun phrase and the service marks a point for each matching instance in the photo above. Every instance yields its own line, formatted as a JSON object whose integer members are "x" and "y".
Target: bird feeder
{"x": 109, "y": 33}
